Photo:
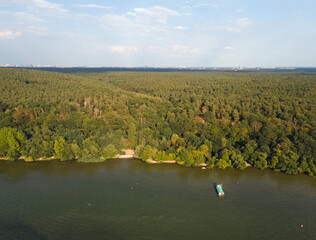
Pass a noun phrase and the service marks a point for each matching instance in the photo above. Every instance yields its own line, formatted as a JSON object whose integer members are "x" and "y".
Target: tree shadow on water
{"x": 19, "y": 231}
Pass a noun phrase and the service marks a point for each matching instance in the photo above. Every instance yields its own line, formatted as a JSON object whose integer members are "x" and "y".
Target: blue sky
{"x": 162, "y": 33}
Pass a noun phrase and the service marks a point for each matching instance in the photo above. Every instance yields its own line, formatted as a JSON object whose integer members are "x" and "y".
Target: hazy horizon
{"x": 192, "y": 33}
{"x": 152, "y": 67}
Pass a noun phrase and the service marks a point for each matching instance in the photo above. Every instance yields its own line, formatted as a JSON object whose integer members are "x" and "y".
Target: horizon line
{"x": 152, "y": 67}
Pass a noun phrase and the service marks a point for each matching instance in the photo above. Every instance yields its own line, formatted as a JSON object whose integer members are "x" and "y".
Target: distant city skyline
{"x": 160, "y": 33}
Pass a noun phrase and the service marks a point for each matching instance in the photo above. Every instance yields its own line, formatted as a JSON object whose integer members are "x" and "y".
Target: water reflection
{"x": 19, "y": 169}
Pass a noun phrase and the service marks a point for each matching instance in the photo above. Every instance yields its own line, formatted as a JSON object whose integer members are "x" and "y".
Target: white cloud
{"x": 20, "y": 16}
{"x": 123, "y": 49}
{"x": 117, "y": 22}
{"x": 9, "y": 34}
{"x": 205, "y": 5}
{"x": 140, "y": 21}
{"x": 92, "y": 6}
{"x": 180, "y": 28}
{"x": 38, "y": 6}
{"x": 155, "y": 14}
{"x": 229, "y": 48}
{"x": 12, "y": 2}
{"x": 45, "y": 4}
{"x": 54, "y": 8}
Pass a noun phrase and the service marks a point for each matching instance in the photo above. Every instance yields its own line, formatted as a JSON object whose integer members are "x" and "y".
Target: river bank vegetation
{"x": 222, "y": 119}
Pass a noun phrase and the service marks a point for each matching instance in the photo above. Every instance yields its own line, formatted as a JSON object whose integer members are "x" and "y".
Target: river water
{"x": 129, "y": 199}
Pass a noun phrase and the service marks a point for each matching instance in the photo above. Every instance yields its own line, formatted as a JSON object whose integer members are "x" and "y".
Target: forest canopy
{"x": 222, "y": 119}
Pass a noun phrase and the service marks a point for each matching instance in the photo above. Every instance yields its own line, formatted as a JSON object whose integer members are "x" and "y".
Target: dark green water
{"x": 54, "y": 200}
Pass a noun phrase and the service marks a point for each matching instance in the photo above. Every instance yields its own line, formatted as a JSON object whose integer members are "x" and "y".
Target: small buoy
{"x": 137, "y": 183}
{"x": 302, "y": 225}
{"x": 132, "y": 188}
{"x": 89, "y": 204}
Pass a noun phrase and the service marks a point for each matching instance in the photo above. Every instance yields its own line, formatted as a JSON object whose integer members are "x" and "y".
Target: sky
{"x": 158, "y": 33}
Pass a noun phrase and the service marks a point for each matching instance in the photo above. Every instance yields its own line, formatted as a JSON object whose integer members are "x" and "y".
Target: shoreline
{"x": 102, "y": 159}
{"x": 126, "y": 157}
{"x": 152, "y": 161}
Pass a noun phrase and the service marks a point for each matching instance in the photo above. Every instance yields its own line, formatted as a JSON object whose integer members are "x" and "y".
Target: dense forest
{"x": 223, "y": 119}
